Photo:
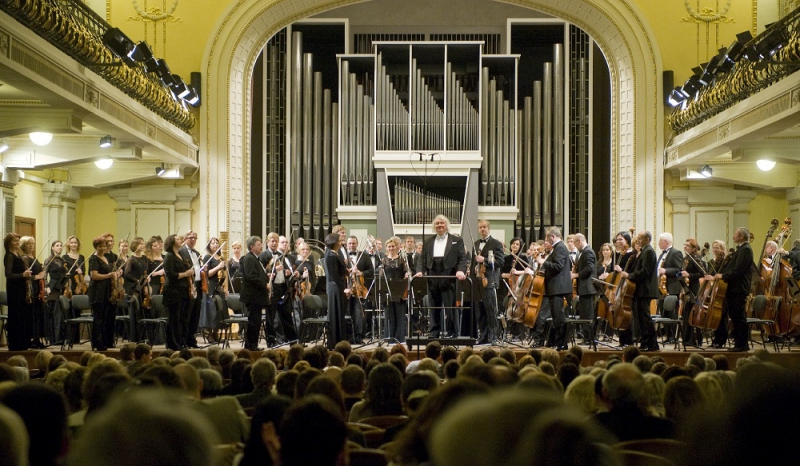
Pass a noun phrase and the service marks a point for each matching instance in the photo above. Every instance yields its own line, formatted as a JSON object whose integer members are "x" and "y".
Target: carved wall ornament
{"x": 3, "y": 44}
{"x": 707, "y": 15}
{"x": 154, "y": 14}
{"x": 723, "y": 131}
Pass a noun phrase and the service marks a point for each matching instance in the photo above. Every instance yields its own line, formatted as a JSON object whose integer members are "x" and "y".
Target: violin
{"x": 190, "y": 278}
{"x": 204, "y": 281}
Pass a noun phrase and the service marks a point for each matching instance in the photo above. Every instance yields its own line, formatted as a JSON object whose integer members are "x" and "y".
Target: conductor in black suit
{"x": 584, "y": 273}
{"x": 254, "y": 290}
{"x": 645, "y": 277}
{"x": 488, "y": 252}
{"x": 557, "y": 283}
{"x": 443, "y": 254}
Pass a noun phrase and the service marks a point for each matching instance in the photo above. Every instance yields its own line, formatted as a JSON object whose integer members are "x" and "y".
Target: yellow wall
{"x": 29, "y": 203}
{"x": 763, "y": 208}
{"x": 95, "y": 216}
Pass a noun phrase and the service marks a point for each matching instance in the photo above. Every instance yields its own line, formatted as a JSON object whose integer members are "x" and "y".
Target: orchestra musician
{"x": 718, "y": 251}
{"x": 585, "y": 273}
{"x": 693, "y": 272}
{"x": 605, "y": 263}
{"x": 135, "y": 273}
{"x": 644, "y": 275}
{"x": 368, "y": 263}
{"x": 210, "y": 315}
{"x": 153, "y": 249}
{"x": 279, "y": 269}
{"x": 56, "y": 284}
{"x": 557, "y": 284}
{"x": 17, "y": 275}
{"x": 189, "y": 253}
{"x": 35, "y": 307}
{"x": 102, "y": 277}
{"x": 336, "y": 288}
{"x": 535, "y": 251}
{"x": 354, "y": 306}
{"x": 443, "y": 254}
{"x": 234, "y": 271}
{"x": 110, "y": 256}
{"x": 304, "y": 266}
{"x": 393, "y": 266}
{"x": 736, "y": 274}
{"x": 77, "y": 272}
{"x": 513, "y": 267}
{"x": 488, "y": 253}
{"x": 670, "y": 264}
{"x": 178, "y": 272}
{"x": 254, "y": 292}
{"x": 793, "y": 257}
{"x": 626, "y": 257}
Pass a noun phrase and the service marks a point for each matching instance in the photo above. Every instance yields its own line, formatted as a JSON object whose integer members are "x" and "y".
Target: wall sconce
{"x": 706, "y": 171}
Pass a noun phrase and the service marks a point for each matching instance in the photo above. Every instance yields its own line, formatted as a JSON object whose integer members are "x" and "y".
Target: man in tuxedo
{"x": 557, "y": 284}
{"x": 488, "y": 253}
{"x": 645, "y": 277}
{"x": 189, "y": 253}
{"x": 584, "y": 272}
{"x": 355, "y": 309}
{"x": 279, "y": 272}
{"x": 670, "y": 266}
{"x": 443, "y": 254}
{"x": 736, "y": 274}
{"x": 254, "y": 291}
{"x": 368, "y": 263}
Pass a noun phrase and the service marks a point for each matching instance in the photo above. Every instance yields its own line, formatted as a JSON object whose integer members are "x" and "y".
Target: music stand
{"x": 418, "y": 291}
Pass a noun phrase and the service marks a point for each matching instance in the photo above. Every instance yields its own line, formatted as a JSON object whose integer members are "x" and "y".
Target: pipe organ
{"x": 415, "y": 127}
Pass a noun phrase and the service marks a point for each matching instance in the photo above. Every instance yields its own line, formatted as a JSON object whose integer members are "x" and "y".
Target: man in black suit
{"x": 645, "y": 277}
{"x": 488, "y": 253}
{"x": 188, "y": 253}
{"x": 584, "y": 272}
{"x": 368, "y": 263}
{"x": 279, "y": 272}
{"x": 670, "y": 266}
{"x": 254, "y": 291}
{"x": 736, "y": 274}
{"x": 443, "y": 254}
{"x": 557, "y": 284}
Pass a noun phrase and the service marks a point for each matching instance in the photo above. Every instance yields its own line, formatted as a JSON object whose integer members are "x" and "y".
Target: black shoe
{"x": 561, "y": 348}
{"x": 717, "y": 346}
{"x": 192, "y": 344}
{"x": 738, "y": 349}
{"x": 649, "y": 348}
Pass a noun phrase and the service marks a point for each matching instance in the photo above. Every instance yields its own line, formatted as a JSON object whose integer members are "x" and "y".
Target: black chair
{"x": 123, "y": 320}
{"x": 82, "y": 323}
{"x": 574, "y": 322}
{"x": 239, "y": 317}
{"x": 670, "y": 306}
{"x": 3, "y": 314}
{"x": 759, "y": 304}
{"x": 158, "y": 323}
{"x": 315, "y": 322}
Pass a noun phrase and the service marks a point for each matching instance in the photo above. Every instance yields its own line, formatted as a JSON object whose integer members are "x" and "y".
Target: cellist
{"x": 793, "y": 257}
{"x": 625, "y": 258}
{"x": 536, "y": 251}
{"x": 736, "y": 274}
{"x": 645, "y": 276}
{"x": 693, "y": 268}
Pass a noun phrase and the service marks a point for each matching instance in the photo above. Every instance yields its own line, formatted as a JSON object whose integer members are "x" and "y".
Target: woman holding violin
{"x": 305, "y": 271}
{"x": 336, "y": 280}
{"x": 394, "y": 267}
{"x": 57, "y": 283}
{"x": 35, "y": 296}
{"x": 153, "y": 251}
{"x": 76, "y": 265}
{"x": 102, "y": 274}
{"x": 212, "y": 315}
{"x": 179, "y": 275}
{"x": 605, "y": 262}
{"x": 17, "y": 275}
{"x": 136, "y": 286}
{"x": 510, "y": 273}
{"x": 694, "y": 269}
{"x": 234, "y": 268}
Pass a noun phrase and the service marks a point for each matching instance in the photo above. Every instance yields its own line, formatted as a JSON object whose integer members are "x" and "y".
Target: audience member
{"x": 382, "y": 396}
{"x": 262, "y": 374}
{"x": 314, "y": 417}
{"x": 45, "y": 416}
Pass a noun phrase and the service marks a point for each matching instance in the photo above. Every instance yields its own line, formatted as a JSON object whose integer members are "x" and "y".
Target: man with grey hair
{"x": 254, "y": 292}
{"x": 262, "y": 373}
{"x": 557, "y": 283}
{"x": 624, "y": 393}
{"x": 670, "y": 266}
{"x": 443, "y": 254}
{"x": 736, "y": 274}
{"x": 644, "y": 276}
{"x": 584, "y": 273}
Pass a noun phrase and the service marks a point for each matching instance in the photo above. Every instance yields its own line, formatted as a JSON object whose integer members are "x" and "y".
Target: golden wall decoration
{"x": 148, "y": 14}
{"x": 711, "y": 18}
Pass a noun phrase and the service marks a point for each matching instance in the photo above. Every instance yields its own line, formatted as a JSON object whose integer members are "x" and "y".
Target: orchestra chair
{"x": 759, "y": 303}
{"x": 239, "y": 318}
{"x": 670, "y": 305}
{"x": 672, "y": 450}
{"x": 80, "y": 303}
{"x": 3, "y": 315}
{"x": 157, "y": 323}
{"x": 123, "y": 319}
{"x": 368, "y": 457}
{"x": 574, "y": 322}
{"x": 315, "y": 322}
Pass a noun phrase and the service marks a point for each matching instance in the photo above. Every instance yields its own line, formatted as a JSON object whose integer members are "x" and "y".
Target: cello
{"x": 531, "y": 295}
{"x": 620, "y": 298}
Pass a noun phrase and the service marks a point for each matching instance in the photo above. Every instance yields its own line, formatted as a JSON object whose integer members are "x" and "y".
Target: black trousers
{"x": 194, "y": 316}
{"x": 641, "y": 306}
{"x": 254, "y": 326}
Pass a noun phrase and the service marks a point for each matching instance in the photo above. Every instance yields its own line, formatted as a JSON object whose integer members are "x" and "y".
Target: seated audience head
{"x": 44, "y": 413}
{"x": 314, "y": 417}
{"x": 13, "y": 439}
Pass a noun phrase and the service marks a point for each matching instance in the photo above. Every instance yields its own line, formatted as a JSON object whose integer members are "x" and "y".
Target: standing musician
{"x": 279, "y": 269}
{"x": 625, "y": 259}
{"x": 234, "y": 273}
{"x": 102, "y": 274}
{"x": 585, "y": 273}
{"x": 17, "y": 276}
{"x": 35, "y": 302}
{"x": 693, "y": 266}
{"x": 304, "y": 267}
{"x": 211, "y": 316}
{"x": 189, "y": 253}
{"x": 736, "y": 274}
{"x": 718, "y": 251}
{"x": 793, "y": 257}
{"x": 513, "y": 267}
{"x": 73, "y": 255}
{"x": 670, "y": 265}
{"x": 354, "y": 306}
{"x": 557, "y": 284}
{"x": 178, "y": 273}
{"x": 540, "y": 250}
{"x": 645, "y": 277}
{"x": 605, "y": 263}
{"x": 443, "y": 254}
{"x": 254, "y": 292}
{"x": 110, "y": 256}
{"x": 336, "y": 288}
{"x": 57, "y": 283}
{"x": 488, "y": 253}
{"x": 571, "y": 247}
{"x": 153, "y": 249}
{"x": 393, "y": 266}
{"x": 135, "y": 275}
{"x": 368, "y": 263}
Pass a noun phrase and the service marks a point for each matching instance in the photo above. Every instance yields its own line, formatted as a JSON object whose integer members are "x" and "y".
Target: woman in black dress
{"x": 211, "y": 316}
{"x": 37, "y": 298}
{"x": 101, "y": 274}
{"x": 135, "y": 277}
{"x": 513, "y": 268}
{"x": 153, "y": 250}
{"x": 395, "y": 268}
{"x": 180, "y": 275}
{"x": 76, "y": 265}
{"x": 336, "y": 280}
{"x": 57, "y": 283}
{"x": 234, "y": 268}
{"x": 17, "y": 276}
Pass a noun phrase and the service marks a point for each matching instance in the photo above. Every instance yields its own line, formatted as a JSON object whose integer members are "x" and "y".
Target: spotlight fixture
{"x": 41, "y": 138}
{"x": 706, "y": 171}
{"x": 3, "y": 145}
{"x": 106, "y": 141}
{"x": 770, "y": 44}
{"x": 162, "y": 70}
{"x": 676, "y": 97}
{"x": 104, "y": 163}
{"x": 160, "y": 170}
{"x": 193, "y": 99}
{"x": 765, "y": 165}
{"x": 119, "y": 44}
{"x": 179, "y": 87}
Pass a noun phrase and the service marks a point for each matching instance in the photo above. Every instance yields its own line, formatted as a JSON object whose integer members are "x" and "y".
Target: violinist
{"x": 693, "y": 266}
{"x": 36, "y": 291}
{"x": 736, "y": 273}
{"x": 189, "y": 253}
{"x": 670, "y": 264}
{"x": 354, "y": 305}
{"x": 234, "y": 268}
{"x": 57, "y": 273}
{"x": 584, "y": 272}
{"x": 135, "y": 274}
{"x": 488, "y": 255}
{"x": 443, "y": 254}
{"x": 100, "y": 271}
{"x": 625, "y": 259}
{"x": 513, "y": 267}
{"x": 124, "y": 249}
{"x": 336, "y": 289}
{"x": 153, "y": 249}
{"x": 718, "y": 251}
{"x": 379, "y": 252}
{"x": 279, "y": 268}
{"x": 178, "y": 272}
{"x": 645, "y": 277}
{"x": 110, "y": 256}
{"x": 17, "y": 275}
{"x": 305, "y": 270}
{"x": 557, "y": 284}
{"x": 77, "y": 272}
{"x": 605, "y": 264}
{"x": 211, "y": 316}
{"x": 393, "y": 266}
{"x": 368, "y": 263}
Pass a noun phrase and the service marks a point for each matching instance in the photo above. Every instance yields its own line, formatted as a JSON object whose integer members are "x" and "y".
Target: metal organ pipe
{"x": 558, "y": 134}
{"x": 547, "y": 146}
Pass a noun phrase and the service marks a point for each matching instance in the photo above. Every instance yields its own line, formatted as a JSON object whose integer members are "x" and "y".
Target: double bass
{"x": 707, "y": 311}
{"x": 529, "y": 297}
{"x": 776, "y": 275}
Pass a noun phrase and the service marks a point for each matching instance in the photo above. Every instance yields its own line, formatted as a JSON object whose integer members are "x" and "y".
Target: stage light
{"x": 3, "y": 145}
{"x": 179, "y": 87}
{"x": 676, "y": 97}
{"x": 119, "y": 44}
{"x": 106, "y": 141}
{"x": 160, "y": 170}
{"x": 706, "y": 171}
{"x": 41, "y": 138}
{"x": 162, "y": 70}
{"x": 765, "y": 165}
{"x": 104, "y": 163}
{"x": 144, "y": 55}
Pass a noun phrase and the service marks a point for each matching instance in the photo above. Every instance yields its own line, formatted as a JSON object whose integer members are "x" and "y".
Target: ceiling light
{"x": 104, "y": 163}
{"x": 106, "y": 141}
{"x": 3, "y": 145}
{"x": 765, "y": 165}
{"x": 706, "y": 171}
{"x": 40, "y": 138}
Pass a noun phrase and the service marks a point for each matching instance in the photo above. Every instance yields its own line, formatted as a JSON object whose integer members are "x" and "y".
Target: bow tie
{"x": 353, "y": 254}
